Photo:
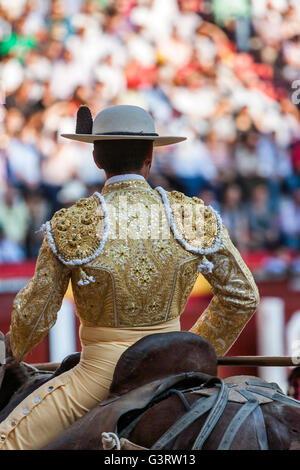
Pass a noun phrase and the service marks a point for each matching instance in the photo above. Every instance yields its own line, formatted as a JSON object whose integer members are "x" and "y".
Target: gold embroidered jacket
{"x": 133, "y": 254}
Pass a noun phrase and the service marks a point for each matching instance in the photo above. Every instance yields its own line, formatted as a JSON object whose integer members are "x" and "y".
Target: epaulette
{"x": 197, "y": 227}
{"x": 77, "y": 234}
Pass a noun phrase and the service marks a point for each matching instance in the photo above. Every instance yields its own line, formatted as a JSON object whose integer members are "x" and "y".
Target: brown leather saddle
{"x": 162, "y": 355}
{"x": 145, "y": 371}
{"x": 157, "y": 366}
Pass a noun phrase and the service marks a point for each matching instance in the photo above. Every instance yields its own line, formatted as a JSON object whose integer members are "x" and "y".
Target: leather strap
{"x": 217, "y": 403}
{"x": 276, "y": 396}
{"x": 235, "y": 424}
{"x": 180, "y": 395}
{"x": 125, "y": 433}
{"x": 129, "y": 428}
{"x": 272, "y": 385}
{"x": 213, "y": 417}
{"x": 260, "y": 428}
{"x": 198, "y": 409}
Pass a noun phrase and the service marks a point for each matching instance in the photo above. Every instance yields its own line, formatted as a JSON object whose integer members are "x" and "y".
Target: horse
{"x": 166, "y": 395}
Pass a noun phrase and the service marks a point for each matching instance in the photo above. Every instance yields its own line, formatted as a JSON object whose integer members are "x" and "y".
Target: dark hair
{"x": 119, "y": 156}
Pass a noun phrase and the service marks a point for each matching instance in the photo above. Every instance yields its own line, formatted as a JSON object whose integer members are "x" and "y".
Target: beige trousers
{"x": 52, "y": 408}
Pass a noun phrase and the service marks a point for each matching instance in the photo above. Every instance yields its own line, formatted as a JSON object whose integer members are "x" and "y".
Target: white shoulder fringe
{"x": 205, "y": 267}
{"x": 77, "y": 262}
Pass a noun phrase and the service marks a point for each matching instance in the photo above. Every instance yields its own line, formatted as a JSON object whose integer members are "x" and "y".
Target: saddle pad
{"x": 236, "y": 383}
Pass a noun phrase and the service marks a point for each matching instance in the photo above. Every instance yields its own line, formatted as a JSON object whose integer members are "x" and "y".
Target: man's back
{"x": 143, "y": 275}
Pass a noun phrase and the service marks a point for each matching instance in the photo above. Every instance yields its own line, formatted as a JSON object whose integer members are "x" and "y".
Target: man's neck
{"x": 124, "y": 177}
{"x": 142, "y": 172}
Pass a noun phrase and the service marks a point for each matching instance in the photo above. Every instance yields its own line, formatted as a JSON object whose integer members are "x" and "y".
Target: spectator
{"x": 10, "y": 251}
{"x": 289, "y": 217}
{"x": 218, "y": 72}
{"x": 245, "y": 153}
{"x": 263, "y": 224}
{"x": 23, "y": 160}
{"x": 294, "y": 383}
{"x": 208, "y": 196}
{"x": 39, "y": 212}
{"x": 14, "y": 216}
{"x": 234, "y": 216}
{"x": 71, "y": 192}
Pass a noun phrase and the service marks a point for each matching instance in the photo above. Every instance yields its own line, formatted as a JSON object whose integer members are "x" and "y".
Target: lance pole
{"x": 258, "y": 361}
{"x": 247, "y": 361}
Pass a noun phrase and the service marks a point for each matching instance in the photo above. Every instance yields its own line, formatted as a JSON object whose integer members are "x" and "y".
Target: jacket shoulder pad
{"x": 75, "y": 234}
{"x": 197, "y": 227}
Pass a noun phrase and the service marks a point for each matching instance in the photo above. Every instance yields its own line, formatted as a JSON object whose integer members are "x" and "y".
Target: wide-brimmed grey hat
{"x": 121, "y": 122}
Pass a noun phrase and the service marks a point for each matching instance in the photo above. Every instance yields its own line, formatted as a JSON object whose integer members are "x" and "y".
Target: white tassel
{"x": 86, "y": 281}
{"x": 110, "y": 441}
{"x": 205, "y": 267}
{"x": 84, "y": 278}
{"x": 43, "y": 229}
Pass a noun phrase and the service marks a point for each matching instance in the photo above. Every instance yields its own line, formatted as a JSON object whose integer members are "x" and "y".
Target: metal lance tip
{"x": 84, "y": 121}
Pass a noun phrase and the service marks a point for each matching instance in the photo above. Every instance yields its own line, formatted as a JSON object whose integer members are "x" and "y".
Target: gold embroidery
{"x": 136, "y": 282}
{"x": 162, "y": 248}
{"x": 143, "y": 271}
{"x": 195, "y": 223}
{"x": 36, "y": 305}
{"x": 235, "y": 298}
{"x": 77, "y": 231}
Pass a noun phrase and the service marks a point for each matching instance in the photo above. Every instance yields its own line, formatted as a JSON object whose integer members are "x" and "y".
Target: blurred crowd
{"x": 224, "y": 73}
